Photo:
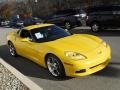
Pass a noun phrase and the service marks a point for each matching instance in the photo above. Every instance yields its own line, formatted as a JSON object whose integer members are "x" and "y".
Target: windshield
{"x": 49, "y": 33}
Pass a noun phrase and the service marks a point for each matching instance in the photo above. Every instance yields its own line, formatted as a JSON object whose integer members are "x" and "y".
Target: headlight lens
{"x": 75, "y": 55}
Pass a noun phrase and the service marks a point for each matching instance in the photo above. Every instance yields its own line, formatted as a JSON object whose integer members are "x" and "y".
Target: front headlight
{"x": 75, "y": 55}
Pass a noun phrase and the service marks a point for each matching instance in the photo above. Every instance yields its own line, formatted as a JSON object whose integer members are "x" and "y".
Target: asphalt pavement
{"x": 107, "y": 79}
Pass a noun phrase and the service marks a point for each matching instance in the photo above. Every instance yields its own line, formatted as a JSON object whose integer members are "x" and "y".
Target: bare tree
{"x": 42, "y": 8}
{"x": 5, "y": 11}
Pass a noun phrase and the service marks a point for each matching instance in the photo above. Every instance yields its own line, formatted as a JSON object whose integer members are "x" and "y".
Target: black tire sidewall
{"x": 15, "y": 53}
{"x": 61, "y": 67}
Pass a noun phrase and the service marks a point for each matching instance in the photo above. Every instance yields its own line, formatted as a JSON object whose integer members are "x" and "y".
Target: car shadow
{"x": 27, "y": 67}
{"x": 100, "y": 33}
{"x": 110, "y": 71}
{"x": 31, "y": 69}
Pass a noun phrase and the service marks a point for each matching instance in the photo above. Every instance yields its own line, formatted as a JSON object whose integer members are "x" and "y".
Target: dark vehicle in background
{"x": 67, "y": 18}
{"x": 32, "y": 21}
{"x": 4, "y": 22}
{"x": 16, "y": 23}
{"x": 103, "y": 17}
{"x": 19, "y": 23}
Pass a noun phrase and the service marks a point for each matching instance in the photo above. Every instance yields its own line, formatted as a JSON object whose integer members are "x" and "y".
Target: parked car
{"x": 60, "y": 52}
{"x": 103, "y": 17}
{"x": 17, "y": 23}
{"x": 67, "y": 18}
{"x": 32, "y": 21}
{"x": 4, "y": 22}
{"x": 37, "y": 20}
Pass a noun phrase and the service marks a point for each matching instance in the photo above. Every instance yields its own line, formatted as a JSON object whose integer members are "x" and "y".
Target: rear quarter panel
{"x": 11, "y": 37}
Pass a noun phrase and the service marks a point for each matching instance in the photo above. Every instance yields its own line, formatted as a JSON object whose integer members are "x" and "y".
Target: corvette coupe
{"x": 62, "y": 53}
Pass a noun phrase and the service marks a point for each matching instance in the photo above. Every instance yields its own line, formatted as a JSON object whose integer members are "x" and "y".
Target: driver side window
{"x": 25, "y": 34}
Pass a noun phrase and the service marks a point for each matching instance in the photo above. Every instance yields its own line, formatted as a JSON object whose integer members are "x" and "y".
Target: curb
{"x": 25, "y": 80}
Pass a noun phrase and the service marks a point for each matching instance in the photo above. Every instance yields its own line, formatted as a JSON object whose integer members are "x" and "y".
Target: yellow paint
{"x": 92, "y": 47}
{"x": 37, "y": 26}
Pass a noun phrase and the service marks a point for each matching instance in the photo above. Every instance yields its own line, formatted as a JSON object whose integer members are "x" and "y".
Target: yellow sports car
{"x": 60, "y": 52}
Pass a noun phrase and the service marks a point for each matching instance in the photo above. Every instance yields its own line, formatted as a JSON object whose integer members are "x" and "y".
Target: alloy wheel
{"x": 53, "y": 66}
{"x": 12, "y": 49}
{"x": 67, "y": 25}
{"x": 95, "y": 27}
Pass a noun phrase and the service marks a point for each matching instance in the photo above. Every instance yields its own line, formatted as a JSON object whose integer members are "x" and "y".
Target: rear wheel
{"x": 12, "y": 49}
{"x": 95, "y": 27}
{"x": 55, "y": 66}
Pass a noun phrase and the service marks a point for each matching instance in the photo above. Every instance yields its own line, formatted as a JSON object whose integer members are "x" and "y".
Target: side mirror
{"x": 25, "y": 40}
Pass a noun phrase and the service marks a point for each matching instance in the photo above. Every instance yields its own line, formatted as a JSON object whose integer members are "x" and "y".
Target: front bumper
{"x": 83, "y": 68}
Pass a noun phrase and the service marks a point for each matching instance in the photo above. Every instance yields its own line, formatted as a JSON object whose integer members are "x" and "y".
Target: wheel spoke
{"x": 53, "y": 66}
{"x": 95, "y": 27}
{"x": 12, "y": 50}
{"x": 67, "y": 25}
{"x": 57, "y": 72}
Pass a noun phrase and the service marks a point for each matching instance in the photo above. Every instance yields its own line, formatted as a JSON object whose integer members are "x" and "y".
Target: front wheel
{"x": 95, "y": 27}
{"x": 55, "y": 66}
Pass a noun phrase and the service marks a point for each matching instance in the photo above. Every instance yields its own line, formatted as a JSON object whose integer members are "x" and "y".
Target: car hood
{"x": 76, "y": 43}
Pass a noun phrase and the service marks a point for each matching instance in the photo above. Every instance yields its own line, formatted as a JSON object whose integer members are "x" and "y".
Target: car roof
{"x": 66, "y": 11}
{"x": 94, "y": 8}
{"x": 37, "y": 26}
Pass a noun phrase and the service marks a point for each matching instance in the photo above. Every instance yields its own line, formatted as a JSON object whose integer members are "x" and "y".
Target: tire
{"x": 67, "y": 25}
{"x": 95, "y": 27}
{"x": 12, "y": 49}
{"x": 55, "y": 67}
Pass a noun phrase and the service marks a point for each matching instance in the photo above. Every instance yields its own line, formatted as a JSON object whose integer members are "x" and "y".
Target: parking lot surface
{"x": 107, "y": 79}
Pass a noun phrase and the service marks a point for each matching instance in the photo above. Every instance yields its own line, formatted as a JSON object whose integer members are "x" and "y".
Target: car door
{"x": 26, "y": 48}
{"x": 112, "y": 18}
{"x": 103, "y": 15}
{"x": 107, "y": 19}
{"x": 57, "y": 19}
